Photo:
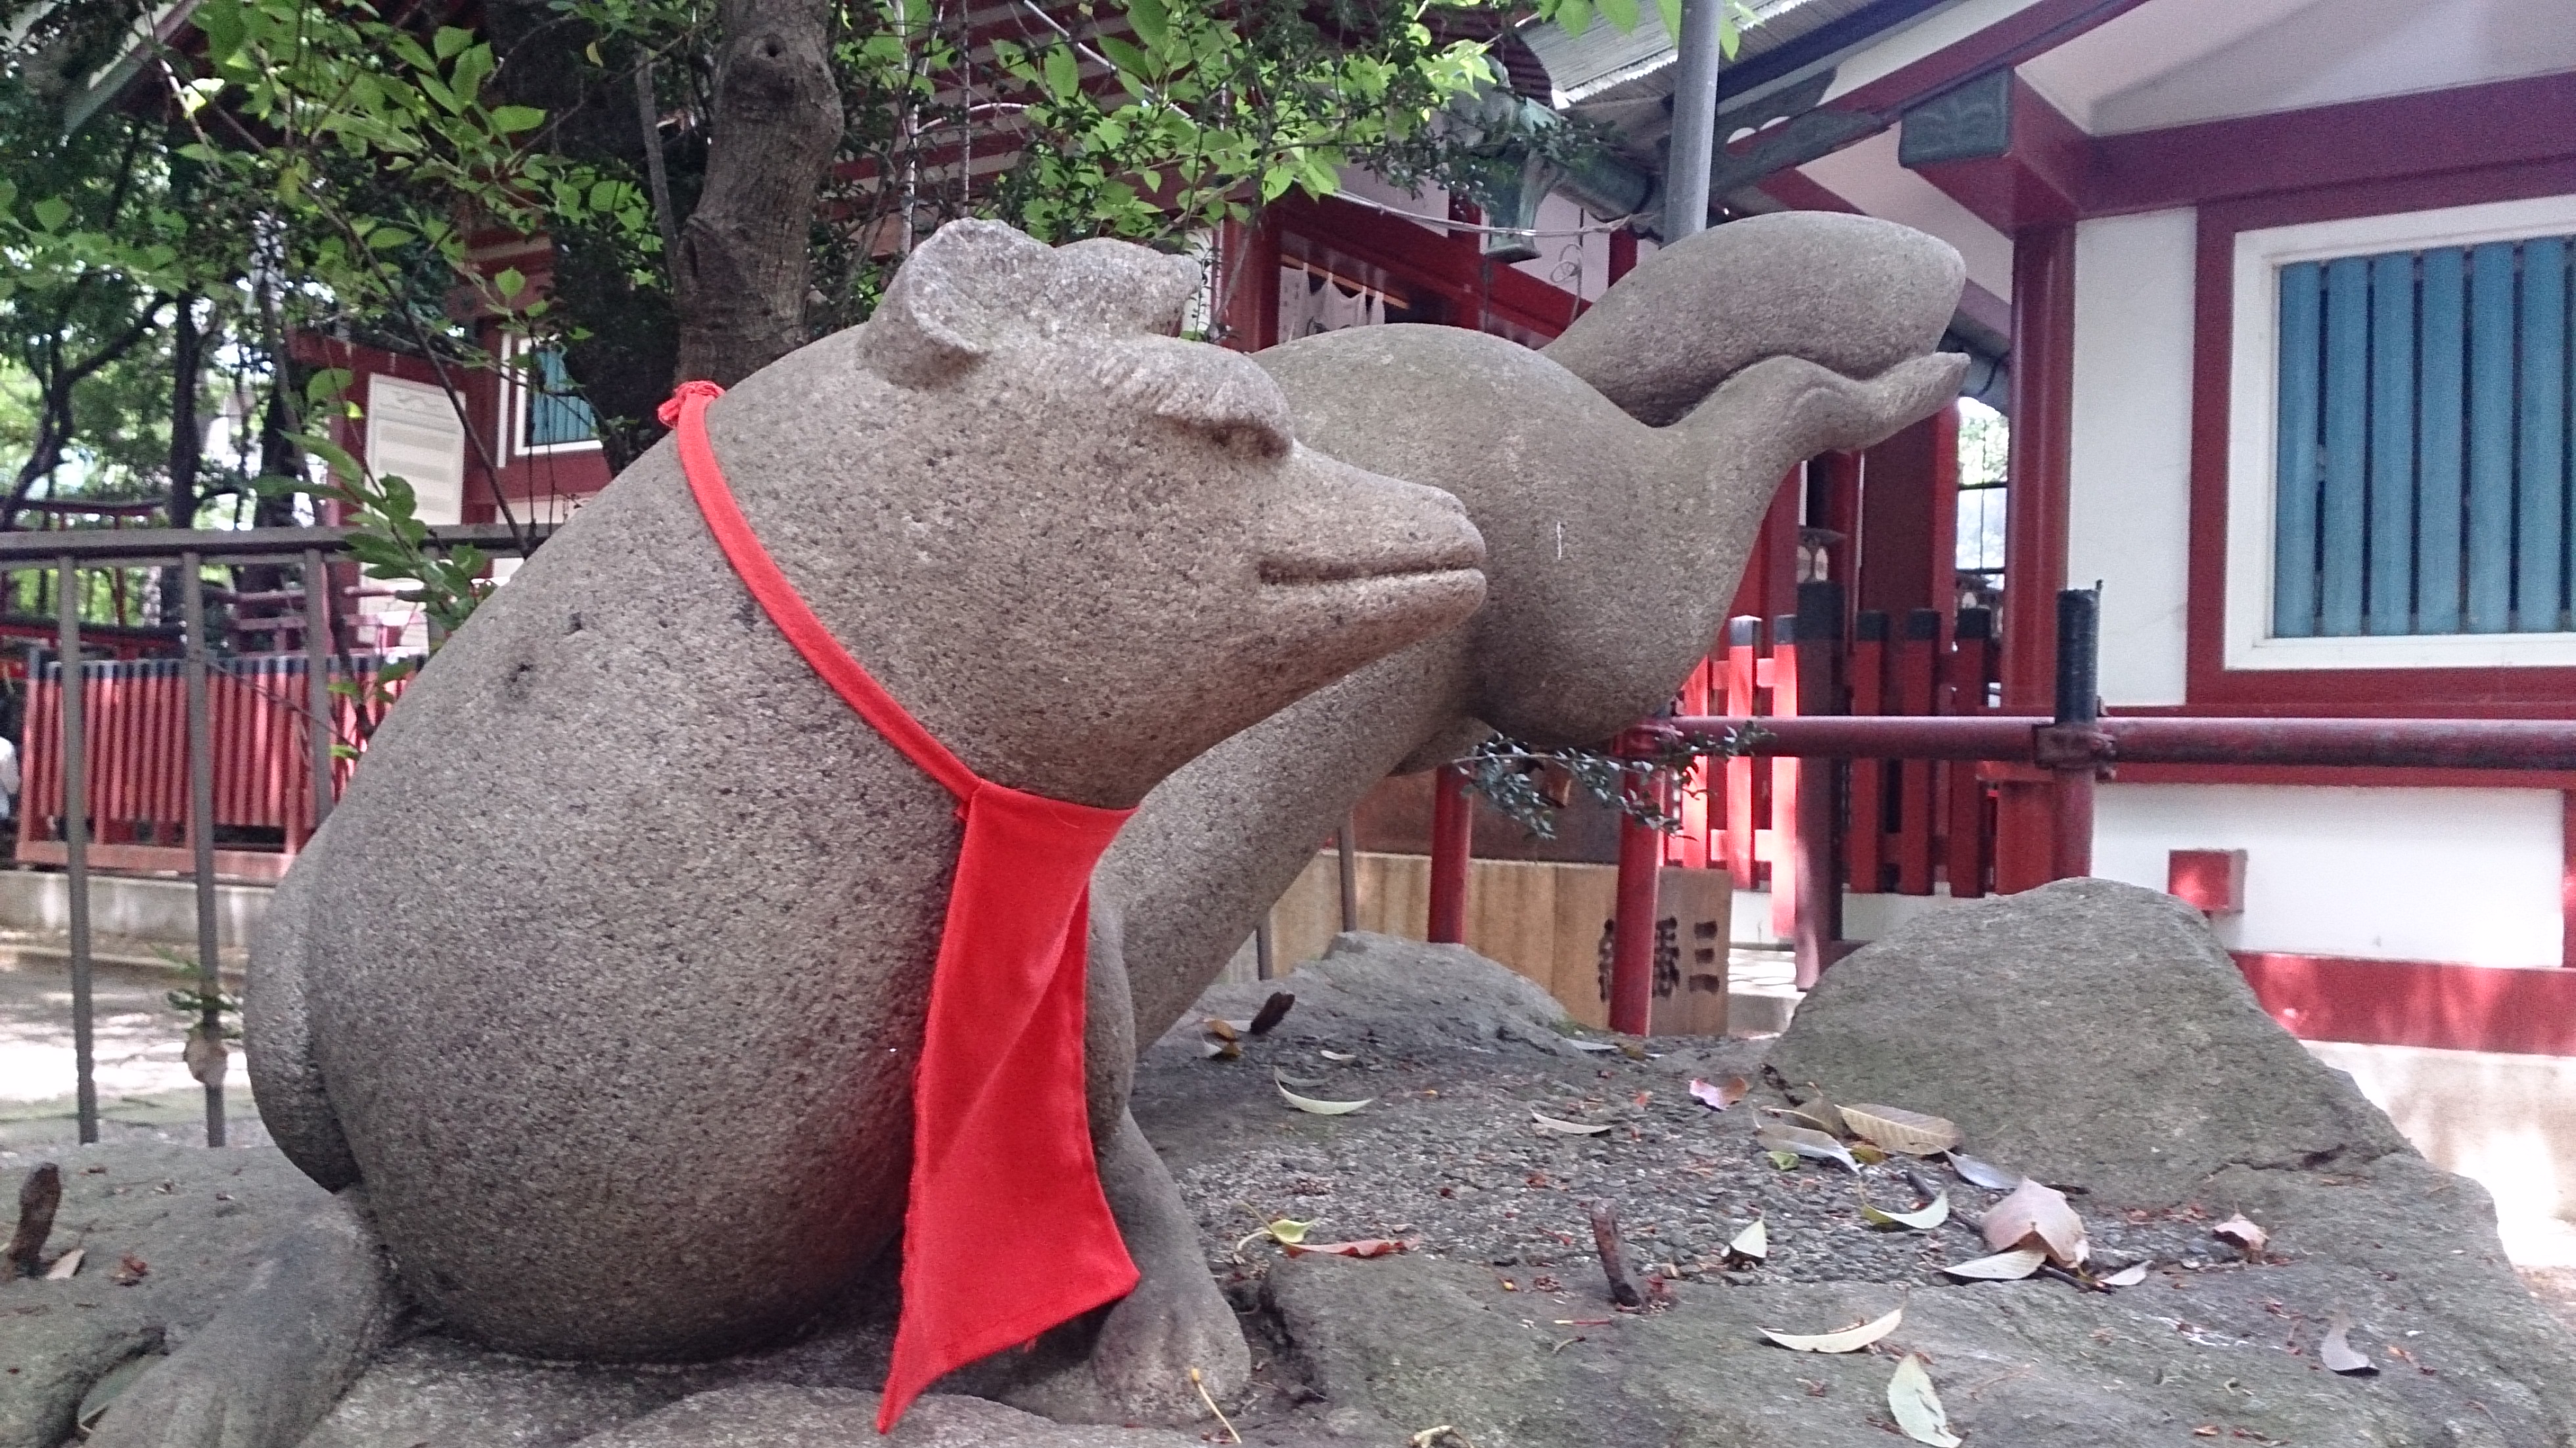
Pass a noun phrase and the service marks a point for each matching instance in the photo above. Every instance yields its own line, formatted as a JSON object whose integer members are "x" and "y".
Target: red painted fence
{"x": 137, "y": 720}
{"x": 1911, "y": 823}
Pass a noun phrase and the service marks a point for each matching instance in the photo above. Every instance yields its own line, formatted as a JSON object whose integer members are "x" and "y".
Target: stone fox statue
{"x": 1613, "y": 549}
{"x": 598, "y": 1000}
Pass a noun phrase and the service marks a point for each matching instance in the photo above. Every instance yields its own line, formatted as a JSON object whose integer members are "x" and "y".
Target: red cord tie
{"x": 1007, "y": 1233}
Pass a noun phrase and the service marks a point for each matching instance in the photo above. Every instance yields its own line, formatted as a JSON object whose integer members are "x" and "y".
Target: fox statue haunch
{"x": 606, "y": 981}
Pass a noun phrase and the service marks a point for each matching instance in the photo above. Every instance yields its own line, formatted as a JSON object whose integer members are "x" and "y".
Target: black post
{"x": 207, "y": 1061}
{"x": 2079, "y": 708}
{"x": 1818, "y": 880}
{"x": 76, "y": 837}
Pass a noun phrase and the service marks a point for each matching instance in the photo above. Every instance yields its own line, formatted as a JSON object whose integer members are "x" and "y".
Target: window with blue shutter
{"x": 556, "y": 413}
{"x": 2423, "y": 465}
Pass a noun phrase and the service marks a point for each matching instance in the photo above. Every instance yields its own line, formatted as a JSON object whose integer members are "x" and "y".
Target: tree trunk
{"x": 187, "y": 441}
{"x": 742, "y": 268}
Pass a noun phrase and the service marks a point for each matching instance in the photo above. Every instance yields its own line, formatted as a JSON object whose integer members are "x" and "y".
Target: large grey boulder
{"x": 1402, "y": 995}
{"x": 2091, "y": 1034}
{"x": 2088, "y": 1032}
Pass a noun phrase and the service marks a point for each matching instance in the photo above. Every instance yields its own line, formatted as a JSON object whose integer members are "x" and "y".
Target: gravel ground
{"x": 1448, "y": 1159}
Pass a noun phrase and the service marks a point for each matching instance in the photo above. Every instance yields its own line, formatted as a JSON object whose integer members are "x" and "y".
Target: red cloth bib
{"x": 1007, "y": 1233}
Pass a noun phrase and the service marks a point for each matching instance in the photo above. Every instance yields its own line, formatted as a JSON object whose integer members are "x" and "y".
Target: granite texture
{"x": 2093, "y": 1035}
{"x": 196, "y": 1221}
{"x": 607, "y": 977}
{"x": 2027, "y": 1019}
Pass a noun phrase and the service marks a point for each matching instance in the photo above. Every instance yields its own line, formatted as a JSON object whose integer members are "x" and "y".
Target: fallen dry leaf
{"x": 2341, "y": 1356}
{"x": 130, "y": 1271}
{"x": 2037, "y": 1216}
{"x": 1320, "y": 1108}
{"x": 1592, "y": 1045}
{"x": 1917, "y": 1408}
{"x": 1752, "y": 1244}
{"x": 1719, "y": 1095}
{"x": 1366, "y": 1247}
{"x": 2244, "y": 1235}
{"x": 1782, "y": 1160}
{"x": 1799, "y": 1141}
{"x": 1983, "y": 1173}
{"x": 1921, "y": 1219}
{"x": 1850, "y": 1339}
{"x": 1554, "y": 1127}
{"x": 1220, "y": 1048}
{"x": 1283, "y": 1231}
{"x": 2129, "y": 1276}
{"x": 1892, "y": 1128}
{"x": 2010, "y": 1266}
{"x": 1866, "y": 1154}
{"x": 1339, "y": 1056}
{"x": 1818, "y": 1116}
{"x": 205, "y": 1055}
{"x": 66, "y": 1264}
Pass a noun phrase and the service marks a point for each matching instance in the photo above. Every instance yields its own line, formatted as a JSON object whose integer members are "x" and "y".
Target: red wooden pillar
{"x": 1743, "y": 641}
{"x": 1817, "y": 928}
{"x": 1864, "y": 838}
{"x": 1696, "y": 805}
{"x": 1916, "y": 653}
{"x": 1632, "y": 928}
{"x": 2566, "y": 877}
{"x": 1452, "y": 847}
{"x": 2043, "y": 383}
{"x": 1623, "y": 253}
{"x": 1252, "y": 295}
{"x": 1785, "y": 775}
{"x": 1968, "y": 666}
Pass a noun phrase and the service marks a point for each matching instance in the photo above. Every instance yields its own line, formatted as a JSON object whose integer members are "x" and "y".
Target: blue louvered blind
{"x": 2423, "y": 438}
{"x": 556, "y": 413}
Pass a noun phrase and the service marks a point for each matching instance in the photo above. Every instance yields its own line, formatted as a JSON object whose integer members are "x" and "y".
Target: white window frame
{"x": 512, "y": 349}
{"x": 2253, "y": 456}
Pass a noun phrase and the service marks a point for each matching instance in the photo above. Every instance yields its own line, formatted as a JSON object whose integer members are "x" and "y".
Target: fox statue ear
{"x": 1118, "y": 286}
{"x": 957, "y": 290}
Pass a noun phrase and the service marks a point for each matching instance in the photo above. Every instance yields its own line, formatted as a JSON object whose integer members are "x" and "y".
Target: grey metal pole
{"x": 1346, "y": 845}
{"x": 317, "y": 679}
{"x": 76, "y": 834}
{"x": 1264, "y": 963}
{"x": 201, "y": 839}
{"x": 1694, "y": 143}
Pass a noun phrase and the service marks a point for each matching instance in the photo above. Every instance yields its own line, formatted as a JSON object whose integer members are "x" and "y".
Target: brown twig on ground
{"x": 1614, "y": 1260}
{"x": 1272, "y": 1012}
{"x": 37, "y": 1200}
{"x": 2051, "y": 1269}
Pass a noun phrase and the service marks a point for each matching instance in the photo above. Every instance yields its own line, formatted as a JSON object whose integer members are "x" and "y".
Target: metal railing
{"x": 310, "y": 551}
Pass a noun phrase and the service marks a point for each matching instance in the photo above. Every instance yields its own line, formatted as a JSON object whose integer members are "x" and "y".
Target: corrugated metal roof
{"x": 1636, "y": 63}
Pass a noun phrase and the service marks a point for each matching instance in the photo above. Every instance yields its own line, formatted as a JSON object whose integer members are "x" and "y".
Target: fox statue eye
{"x": 1222, "y": 395}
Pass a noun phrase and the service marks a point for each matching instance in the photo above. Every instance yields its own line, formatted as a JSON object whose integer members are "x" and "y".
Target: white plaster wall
{"x": 1570, "y": 257}
{"x": 2508, "y": 1122}
{"x": 2462, "y": 875}
{"x": 1867, "y": 175}
{"x": 2129, "y": 468}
